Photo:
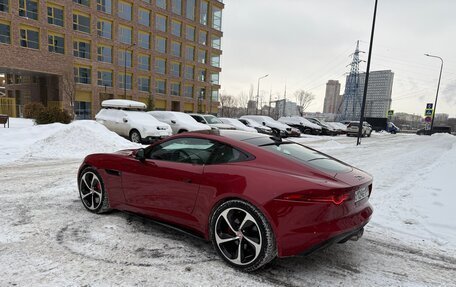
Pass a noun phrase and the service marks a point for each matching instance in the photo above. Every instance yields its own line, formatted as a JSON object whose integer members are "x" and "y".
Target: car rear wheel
{"x": 182, "y": 131}
{"x": 135, "y": 136}
{"x": 242, "y": 236}
{"x": 92, "y": 192}
{"x": 307, "y": 131}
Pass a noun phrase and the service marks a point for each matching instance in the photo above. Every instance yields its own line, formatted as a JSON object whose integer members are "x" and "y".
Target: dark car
{"x": 435, "y": 130}
{"x": 254, "y": 196}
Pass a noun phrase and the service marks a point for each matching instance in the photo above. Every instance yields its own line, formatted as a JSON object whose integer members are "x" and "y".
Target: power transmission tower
{"x": 350, "y": 106}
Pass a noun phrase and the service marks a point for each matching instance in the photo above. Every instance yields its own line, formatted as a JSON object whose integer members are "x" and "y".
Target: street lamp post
{"x": 438, "y": 87}
{"x": 125, "y": 67}
{"x": 258, "y": 92}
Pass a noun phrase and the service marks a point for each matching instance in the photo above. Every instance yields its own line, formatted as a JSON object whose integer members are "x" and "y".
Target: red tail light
{"x": 335, "y": 199}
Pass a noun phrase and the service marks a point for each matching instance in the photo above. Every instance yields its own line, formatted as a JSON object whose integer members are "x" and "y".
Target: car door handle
{"x": 187, "y": 180}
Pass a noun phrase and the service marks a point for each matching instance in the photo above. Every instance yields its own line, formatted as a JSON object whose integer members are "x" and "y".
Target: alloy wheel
{"x": 135, "y": 137}
{"x": 238, "y": 236}
{"x": 90, "y": 190}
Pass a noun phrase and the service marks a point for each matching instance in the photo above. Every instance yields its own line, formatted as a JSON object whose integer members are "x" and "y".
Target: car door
{"x": 167, "y": 182}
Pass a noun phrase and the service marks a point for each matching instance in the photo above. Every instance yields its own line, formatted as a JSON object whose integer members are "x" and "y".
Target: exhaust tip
{"x": 357, "y": 235}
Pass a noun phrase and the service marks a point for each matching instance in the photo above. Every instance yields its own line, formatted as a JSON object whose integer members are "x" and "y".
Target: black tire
{"x": 259, "y": 232}
{"x": 307, "y": 131}
{"x": 182, "y": 131}
{"x": 93, "y": 196}
{"x": 135, "y": 136}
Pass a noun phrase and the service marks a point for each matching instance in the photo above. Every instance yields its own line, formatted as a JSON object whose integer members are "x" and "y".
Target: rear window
{"x": 353, "y": 125}
{"x": 308, "y": 156}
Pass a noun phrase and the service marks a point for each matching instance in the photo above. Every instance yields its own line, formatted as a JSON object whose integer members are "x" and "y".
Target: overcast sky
{"x": 305, "y": 43}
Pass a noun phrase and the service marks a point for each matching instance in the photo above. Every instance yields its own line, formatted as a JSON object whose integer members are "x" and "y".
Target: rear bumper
{"x": 306, "y": 227}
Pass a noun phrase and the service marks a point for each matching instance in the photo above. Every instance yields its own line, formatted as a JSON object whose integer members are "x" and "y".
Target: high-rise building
{"x": 378, "y": 99}
{"x": 333, "y": 98}
{"x": 165, "y": 53}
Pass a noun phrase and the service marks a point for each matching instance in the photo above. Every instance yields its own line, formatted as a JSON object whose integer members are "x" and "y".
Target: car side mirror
{"x": 264, "y": 123}
{"x": 140, "y": 155}
{"x": 125, "y": 120}
{"x": 173, "y": 122}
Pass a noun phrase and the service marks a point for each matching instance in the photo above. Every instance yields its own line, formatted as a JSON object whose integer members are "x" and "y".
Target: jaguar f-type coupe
{"x": 254, "y": 196}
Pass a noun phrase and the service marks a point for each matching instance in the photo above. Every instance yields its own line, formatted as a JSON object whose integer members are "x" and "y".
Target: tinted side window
{"x": 224, "y": 154}
{"x": 185, "y": 150}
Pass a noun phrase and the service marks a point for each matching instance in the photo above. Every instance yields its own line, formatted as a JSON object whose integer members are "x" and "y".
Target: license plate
{"x": 362, "y": 193}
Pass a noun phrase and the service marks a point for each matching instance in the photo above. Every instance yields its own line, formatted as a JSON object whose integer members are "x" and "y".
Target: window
{"x": 188, "y": 91}
{"x": 104, "y": 78}
{"x": 176, "y": 49}
{"x": 28, "y": 9}
{"x": 56, "y": 43}
{"x": 104, "y": 6}
{"x": 202, "y": 56}
{"x": 216, "y": 18}
{"x": 202, "y": 38}
{"x": 160, "y": 23}
{"x": 55, "y": 15}
{"x": 82, "y": 75}
{"x": 5, "y": 33}
{"x": 160, "y": 44}
{"x": 160, "y": 86}
{"x": 144, "y": 62}
{"x": 144, "y": 84}
{"x": 144, "y": 39}
{"x": 81, "y": 23}
{"x": 190, "y": 53}
{"x": 124, "y": 81}
{"x": 175, "y": 89}
{"x": 203, "y": 12}
{"x": 144, "y": 17}
{"x": 81, "y": 49}
{"x": 177, "y": 6}
{"x": 175, "y": 69}
{"x": 30, "y": 38}
{"x": 184, "y": 150}
{"x": 4, "y": 7}
{"x": 202, "y": 75}
{"x": 82, "y": 110}
{"x": 215, "y": 78}
{"x": 176, "y": 27}
{"x": 160, "y": 66}
{"x": 104, "y": 54}
{"x": 190, "y": 11}
{"x": 104, "y": 28}
{"x": 125, "y": 34}
{"x": 124, "y": 58}
{"x": 82, "y": 2}
{"x": 216, "y": 42}
{"x": 189, "y": 72}
{"x": 161, "y": 3}
{"x": 215, "y": 95}
{"x": 124, "y": 10}
{"x": 190, "y": 33}
{"x": 215, "y": 60}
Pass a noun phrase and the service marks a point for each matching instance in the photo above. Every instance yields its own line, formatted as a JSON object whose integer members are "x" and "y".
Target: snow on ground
{"x": 47, "y": 238}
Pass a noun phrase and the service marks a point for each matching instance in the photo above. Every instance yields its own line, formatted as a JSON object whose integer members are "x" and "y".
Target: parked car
{"x": 128, "y": 119}
{"x": 353, "y": 128}
{"x": 339, "y": 127}
{"x": 283, "y": 129}
{"x": 304, "y": 126}
{"x": 253, "y": 124}
{"x": 435, "y": 130}
{"x": 325, "y": 128}
{"x": 382, "y": 124}
{"x": 179, "y": 122}
{"x": 238, "y": 125}
{"x": 279, "y": 198}
{"x": 392, "y": 128}
{"x": 212, "y": 121}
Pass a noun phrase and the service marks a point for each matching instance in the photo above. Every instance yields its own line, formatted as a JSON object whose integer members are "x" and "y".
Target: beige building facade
{"x": 333, "y": 98}
{"x": 165, "y": 53}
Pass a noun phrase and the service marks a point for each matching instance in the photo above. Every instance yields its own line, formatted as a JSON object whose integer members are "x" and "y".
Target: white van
{"x": 179, "y": 122}
{"x": 128, "y": 119}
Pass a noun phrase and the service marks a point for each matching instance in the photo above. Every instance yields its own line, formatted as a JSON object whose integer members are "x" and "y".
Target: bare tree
{"x": 69, "y": 91}
{"x": 228, "y": 104}
{"x": 303, "y": 100}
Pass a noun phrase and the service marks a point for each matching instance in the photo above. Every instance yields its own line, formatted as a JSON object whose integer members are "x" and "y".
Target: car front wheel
{"x": 135, "y": 136}
{"x": 242, "y": 236}
{"x": 92, "y": 192}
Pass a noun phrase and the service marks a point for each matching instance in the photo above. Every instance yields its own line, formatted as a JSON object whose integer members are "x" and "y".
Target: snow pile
{"x": 59, "y": 141}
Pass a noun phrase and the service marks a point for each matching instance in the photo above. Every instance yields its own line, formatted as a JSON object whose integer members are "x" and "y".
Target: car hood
{"x": 195, "y": 126}
{"x": 222, "y": 126}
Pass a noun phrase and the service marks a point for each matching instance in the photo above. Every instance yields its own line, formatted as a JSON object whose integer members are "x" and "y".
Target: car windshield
{"x": 308, "y": 156}
{"x": 212, "y": 120}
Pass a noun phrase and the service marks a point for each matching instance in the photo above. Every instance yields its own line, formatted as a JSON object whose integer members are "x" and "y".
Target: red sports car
{"x": 254, "y": 196}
